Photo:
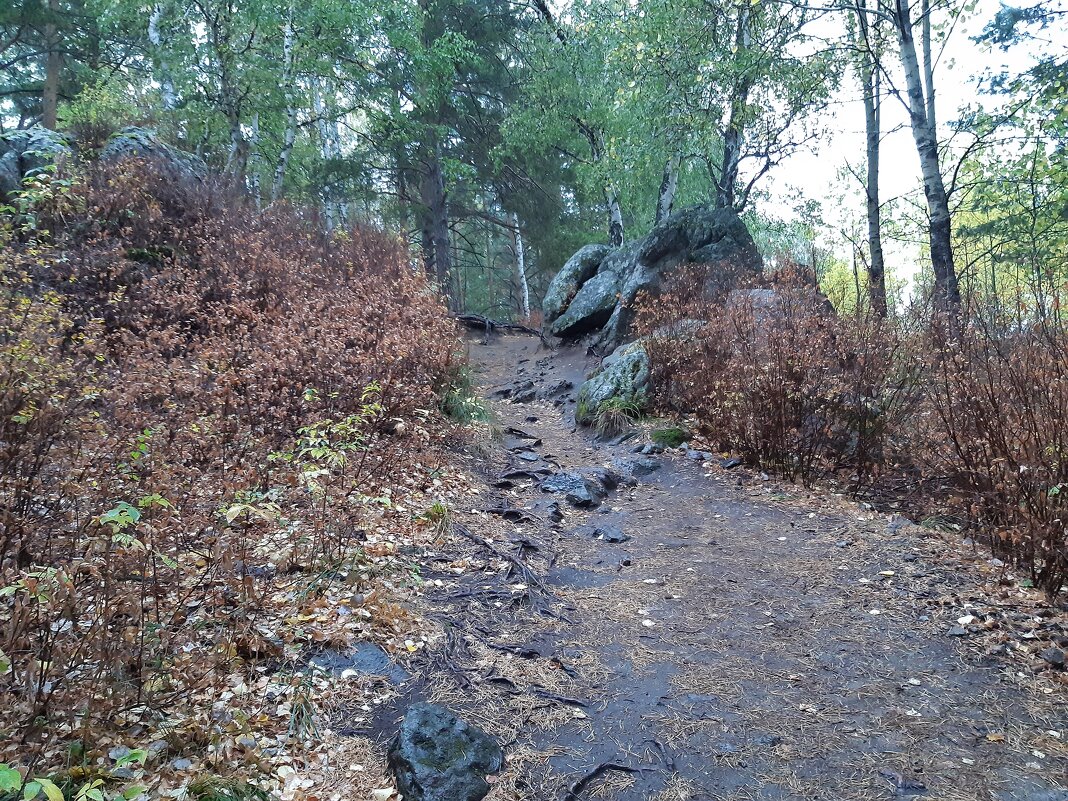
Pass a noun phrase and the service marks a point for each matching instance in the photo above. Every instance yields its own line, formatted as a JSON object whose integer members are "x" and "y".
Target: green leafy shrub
{"x": 459, "y": 401}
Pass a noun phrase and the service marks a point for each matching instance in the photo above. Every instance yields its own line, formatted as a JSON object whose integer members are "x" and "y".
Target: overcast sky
{"x": 819, "y": 174}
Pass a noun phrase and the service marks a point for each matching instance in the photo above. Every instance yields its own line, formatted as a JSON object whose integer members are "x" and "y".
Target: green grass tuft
{"x": 616, "y": 415}
{"x": 216, "y": 788}
{"x": 459, "y": 401}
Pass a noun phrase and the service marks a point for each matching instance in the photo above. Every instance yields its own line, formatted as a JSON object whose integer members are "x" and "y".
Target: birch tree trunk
{"x": 336, "y": 211}
{"x": 870, "y": 86}
{"x": 616, "y": 231}
{"x": 521, "y": 267}
{"x": 946, "y": 287}
{"x": 290, "y": 135}
{"x": 928, "y": 63}
{"x": 665, "y": 200}
{"x": 733, "y": 135}
{"x": 168, "y": 96}
{"x": 254, "y": 149}
{"x": 615, "y": 216}
{"x": 237, "y": 161}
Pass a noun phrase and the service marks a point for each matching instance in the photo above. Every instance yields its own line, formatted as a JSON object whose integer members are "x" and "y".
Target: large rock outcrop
{"x": 144, "y": 143}
{"x": 579, "y": 269}
{"x": 583, "y": 299}
{"x": 27, "y": 152}
{"x": 30, "y": 151}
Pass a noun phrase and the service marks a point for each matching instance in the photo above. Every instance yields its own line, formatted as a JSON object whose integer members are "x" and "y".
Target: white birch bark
{"x": 290, "y": 135}
{"x": 168, "y": 96}
{"x": 521, "y": 267}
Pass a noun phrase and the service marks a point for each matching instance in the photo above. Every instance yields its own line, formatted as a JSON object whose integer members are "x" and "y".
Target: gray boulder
{"x": 607, "y": 532}
{"x": 438, "y": 757}
{"x": 604, "y": 300}
{"x": 590, "y": 309}
{"x": 27, "y": 152}
{"x": 143, "y": 143}
{"x": 581, "y": 491}
{"x": 579, "y": 269}
{"x": 623, "y": 375}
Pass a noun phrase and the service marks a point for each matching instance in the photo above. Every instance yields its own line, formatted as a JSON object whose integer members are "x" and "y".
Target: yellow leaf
{"x": 52, "y": 793}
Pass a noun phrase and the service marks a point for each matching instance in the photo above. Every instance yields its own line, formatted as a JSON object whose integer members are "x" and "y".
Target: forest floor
{"x": 751, "y": 640}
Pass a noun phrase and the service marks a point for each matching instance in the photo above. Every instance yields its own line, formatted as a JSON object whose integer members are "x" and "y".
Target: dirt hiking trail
{"x": 745, "y": 640}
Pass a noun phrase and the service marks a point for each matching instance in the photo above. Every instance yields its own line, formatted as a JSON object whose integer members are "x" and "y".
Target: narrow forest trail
{"x": 749, "y": 641}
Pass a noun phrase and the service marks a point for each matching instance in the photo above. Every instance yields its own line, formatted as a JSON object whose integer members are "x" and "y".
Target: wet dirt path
{"x": 748, "y": 641}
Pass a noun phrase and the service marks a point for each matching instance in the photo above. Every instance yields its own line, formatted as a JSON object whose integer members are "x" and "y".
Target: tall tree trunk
{"x": 53, "y": 68}
{"x": 870, "y": 86}
{"x": 290, "y": 135}
{"x": 237, "y": 161}
{"x": 435, "y": 225}
{"x": 928, "y": 63}
{"x": 595, "y": 137}
{"x": 521, "y": 267}
{"x": 330, "y": 141}
{"x": 727, "y": 179}
{"x": 168, "y": 96}
{"x": 946, "y": 288}
{"x": 733, "y": 136}
{"x": 665, "y": 199}
{"x": 403, "y": 200}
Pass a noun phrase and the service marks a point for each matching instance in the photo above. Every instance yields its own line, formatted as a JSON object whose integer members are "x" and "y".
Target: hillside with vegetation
{"x": 447, "y": 400}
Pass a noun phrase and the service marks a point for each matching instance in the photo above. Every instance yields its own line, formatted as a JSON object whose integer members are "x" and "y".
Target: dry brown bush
{"x": 195, "y": 398}
{"x": 972, "y": 418}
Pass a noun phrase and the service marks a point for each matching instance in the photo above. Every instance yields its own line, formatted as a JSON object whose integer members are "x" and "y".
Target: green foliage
{"x": 438, "y": 516}
{"x": 217, "y": 788}
{"x": 459, "y": 401}
{"x": 670, "y": 437}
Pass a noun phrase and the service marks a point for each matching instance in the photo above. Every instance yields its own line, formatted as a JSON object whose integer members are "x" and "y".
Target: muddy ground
{"x": 750, "y": 640}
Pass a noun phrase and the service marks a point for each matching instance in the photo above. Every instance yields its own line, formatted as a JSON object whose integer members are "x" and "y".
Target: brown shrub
{"x": 773, "y": 374}
{"x": 195, "y": 399}
{"x": 971, "y": 418}
{"x": 995, "y": 426}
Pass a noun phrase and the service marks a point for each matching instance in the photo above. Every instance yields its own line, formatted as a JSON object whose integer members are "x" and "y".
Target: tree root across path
{"x": 477, "y": 322}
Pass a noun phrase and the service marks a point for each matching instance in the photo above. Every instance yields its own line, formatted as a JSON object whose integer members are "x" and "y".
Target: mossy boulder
{"x": 438, "y": 757}
{"x": 670, "y": 437}
{"x": 583, "y": 300}
{"x": 622, "y": 378}
{"x": 144, "y": 143}
{"x": 27, "y": 152}
{"x": 579, "y": 269}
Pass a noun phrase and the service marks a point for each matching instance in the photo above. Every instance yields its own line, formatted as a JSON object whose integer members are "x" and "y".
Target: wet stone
{"x": 1054, "y": 656}
{"x": 606, "y": 532}
{"x": 365, "y": 658}
{"x": 578, "y": 490}
{"x": 436, "y": 756}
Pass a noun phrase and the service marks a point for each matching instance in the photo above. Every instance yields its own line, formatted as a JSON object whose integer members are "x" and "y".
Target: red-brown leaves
{"x": 165, "y": 352}
{"x": 973, "y": 420}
